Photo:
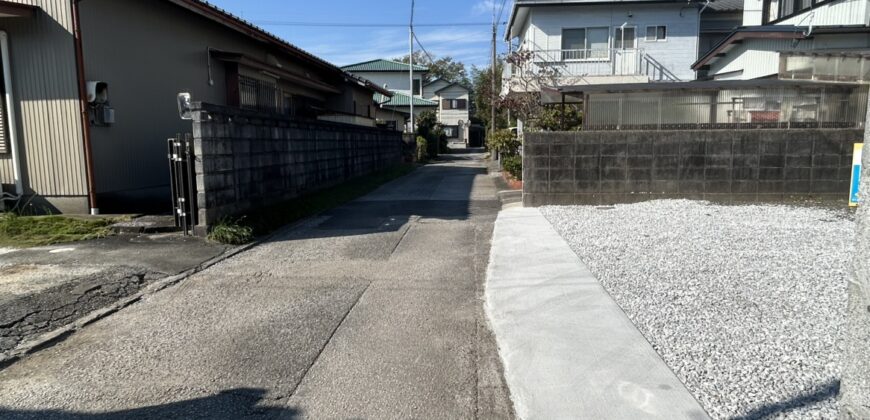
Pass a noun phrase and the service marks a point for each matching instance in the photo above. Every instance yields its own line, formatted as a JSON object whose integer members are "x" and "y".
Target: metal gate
{"x": 182, "y": 162}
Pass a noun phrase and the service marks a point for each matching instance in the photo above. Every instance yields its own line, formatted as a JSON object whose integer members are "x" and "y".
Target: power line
{"x": 431, "y": 60}
{"x": 367, "y": 25}
{"x": 501, "y": 11}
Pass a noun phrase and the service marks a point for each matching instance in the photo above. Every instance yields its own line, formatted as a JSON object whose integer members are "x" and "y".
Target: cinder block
{"x": 771, "y": 174}
{"x": 770, "y": 187}
{"x": 583, "y": 148}
{"x": 718, "y": 147}
{"x": 803, "y": 161}
{"x": 828, "y": 174}
{"x": 717, "y": 174}
{"x": 793, "y": 174}
{"x": 772, "y": 161}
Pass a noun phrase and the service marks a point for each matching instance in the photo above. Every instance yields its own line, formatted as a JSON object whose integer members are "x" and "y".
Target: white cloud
{"x": 483, "y": 6}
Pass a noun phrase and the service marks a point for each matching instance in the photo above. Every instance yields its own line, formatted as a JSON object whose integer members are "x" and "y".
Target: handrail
{"x": 600, "y": 62}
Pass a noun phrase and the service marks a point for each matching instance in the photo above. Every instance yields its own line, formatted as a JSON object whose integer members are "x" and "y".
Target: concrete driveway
{"x": 373, "y": 310}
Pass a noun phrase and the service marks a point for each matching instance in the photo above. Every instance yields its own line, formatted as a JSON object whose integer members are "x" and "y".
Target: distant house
{"x": 395, "y": 77}
{"x": 821, "y": 40}
{"x": 91, "y": 94}
{"x": 453, "y": 107}
{"x": 605, "y": 42}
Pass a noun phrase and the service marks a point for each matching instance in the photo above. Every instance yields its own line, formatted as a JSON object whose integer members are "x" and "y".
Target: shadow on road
{"x": 822, "y": 393}
{"x": 231, "y": 404}
{"x": 443, "y": 192}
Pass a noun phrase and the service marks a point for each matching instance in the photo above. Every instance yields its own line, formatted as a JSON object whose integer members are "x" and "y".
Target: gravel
{"x": 744, "y": 303}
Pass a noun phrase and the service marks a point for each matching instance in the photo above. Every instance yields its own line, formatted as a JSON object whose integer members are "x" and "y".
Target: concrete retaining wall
{"x": 248, "y": 159}
{"x": 607, "y": 167}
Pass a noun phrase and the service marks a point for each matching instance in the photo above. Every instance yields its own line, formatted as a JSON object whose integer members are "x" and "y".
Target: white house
{"x": 453, "y": 107}
{"x": 395, "y": 77}
{"x": 825, "y": 40}
{"x": 605, "y": 42}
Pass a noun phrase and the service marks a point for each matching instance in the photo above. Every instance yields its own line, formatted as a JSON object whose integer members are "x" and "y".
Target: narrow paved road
{"x": 373, "y": 310}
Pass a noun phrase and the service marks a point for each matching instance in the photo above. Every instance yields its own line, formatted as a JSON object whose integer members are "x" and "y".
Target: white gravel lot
{"x": 745, "y": 303}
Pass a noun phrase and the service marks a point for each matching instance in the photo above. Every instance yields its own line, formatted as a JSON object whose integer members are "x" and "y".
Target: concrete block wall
{"x": 608, "y": 167}
{"x": 247, "y": 159}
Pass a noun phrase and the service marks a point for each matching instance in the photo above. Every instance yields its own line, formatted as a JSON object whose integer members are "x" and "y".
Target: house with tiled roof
{"x": 395, "y": 77}
{"x": 90, "y": 93}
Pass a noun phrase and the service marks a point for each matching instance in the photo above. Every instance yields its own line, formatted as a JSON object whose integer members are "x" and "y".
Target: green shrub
{"x": 231, "y": 232}
{"x": 422, "y": 149}
{"x": 504, "y": 142}
{"x": 513, "y": 164}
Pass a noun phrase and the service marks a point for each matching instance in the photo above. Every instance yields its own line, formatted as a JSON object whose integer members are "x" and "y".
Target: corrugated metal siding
{"x": 46, "y": 93}
{"x": 844, "y": 12}
{"x": 760, "y": 57}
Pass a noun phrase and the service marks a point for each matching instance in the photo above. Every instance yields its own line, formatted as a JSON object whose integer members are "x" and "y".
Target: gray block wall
{"x": 247, "y": 159}
{"x": 608, "y": 167}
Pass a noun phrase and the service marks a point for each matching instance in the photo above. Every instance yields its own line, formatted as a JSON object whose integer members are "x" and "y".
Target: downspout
{"x": 83, "y": 108}
{"x": 10, "y": 113}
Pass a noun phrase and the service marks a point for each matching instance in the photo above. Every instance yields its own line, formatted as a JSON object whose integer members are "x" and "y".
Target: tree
{"x": 524, "y": 99}
{"x": 483, "y": 94}
{"x": 442, "y": 68}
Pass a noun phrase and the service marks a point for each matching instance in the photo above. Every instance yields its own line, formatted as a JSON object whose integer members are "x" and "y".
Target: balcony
{"x": 581, "y": 67}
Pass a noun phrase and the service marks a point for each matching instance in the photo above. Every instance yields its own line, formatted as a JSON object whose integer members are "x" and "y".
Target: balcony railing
{"x": 573, "y": 64}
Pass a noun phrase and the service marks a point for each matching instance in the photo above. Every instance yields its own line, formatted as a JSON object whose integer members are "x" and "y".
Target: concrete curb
{"x": 56, "y": 336}
{"x": 568, "y": 349}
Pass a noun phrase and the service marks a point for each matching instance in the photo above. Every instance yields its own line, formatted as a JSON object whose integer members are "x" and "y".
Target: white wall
{"x": 395, "y": 81}
{"x": 429, "y": 91}
{"x": 843, "y": 12}
{"x": 760, "y": 57}
{"x": 452, "y": 116}
{"x": 677, "y": 53}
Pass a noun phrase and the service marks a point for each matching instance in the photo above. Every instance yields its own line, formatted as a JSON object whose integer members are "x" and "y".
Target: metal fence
{"x": 594, "y": 62}
{"x": 828, "y": 106}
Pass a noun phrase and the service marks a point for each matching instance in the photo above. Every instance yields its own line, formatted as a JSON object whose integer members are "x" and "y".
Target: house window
{"x": 584, "y": 43}
{"x": 656, "y": 33}
{"x": 624, "y": 37}
{"x": 416, "y": 86}
{"x": 258, "y": 95}
{"x": 4, "y": 119}
{"x": 773, "y": 10}
{"x": 460, "y": 104}
{"x": 288, "y": 106}
{"x": 451, "y": 131}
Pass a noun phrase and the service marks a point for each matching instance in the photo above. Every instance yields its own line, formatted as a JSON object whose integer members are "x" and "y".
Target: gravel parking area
{"x": 744, "y": 303}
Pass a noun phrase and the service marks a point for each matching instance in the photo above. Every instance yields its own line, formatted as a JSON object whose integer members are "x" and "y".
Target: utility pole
{"x": 492, "y": 66}
{"x": 411, "y": 66}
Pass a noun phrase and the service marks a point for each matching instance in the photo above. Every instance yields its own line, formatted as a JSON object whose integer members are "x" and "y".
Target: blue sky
{"x": 344, "y": 45}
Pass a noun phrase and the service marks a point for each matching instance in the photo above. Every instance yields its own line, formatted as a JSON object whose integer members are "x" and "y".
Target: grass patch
{"x": 268, "y": 219}
{"x": 28, "y": 231}
{"x": 231, "y": 232}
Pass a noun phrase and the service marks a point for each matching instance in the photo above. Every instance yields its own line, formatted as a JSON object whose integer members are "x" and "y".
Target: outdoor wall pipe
{"x": 10, "y": 112}
{"x": 83, "y": 108}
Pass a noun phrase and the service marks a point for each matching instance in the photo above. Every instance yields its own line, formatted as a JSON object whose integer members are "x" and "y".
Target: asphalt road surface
{"x": 372, "y": 310}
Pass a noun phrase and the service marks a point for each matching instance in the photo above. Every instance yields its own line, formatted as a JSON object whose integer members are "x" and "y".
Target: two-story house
{"x": 453, "y": 107}
{"x": 394, "y": 76}
{"x": 595, "y": 42}
{"x": 823, "y": 40}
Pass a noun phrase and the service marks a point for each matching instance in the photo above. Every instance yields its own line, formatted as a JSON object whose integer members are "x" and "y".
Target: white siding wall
{"x": 752, "y": 12}
{"x": 429, "y": 91}
{"x": 677, "y": 53}
{"x": 760, "y": 57}
{"x": 452, "y": 116}
{"x": 843, "y": 12}
{"x": 395, "y": 81}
